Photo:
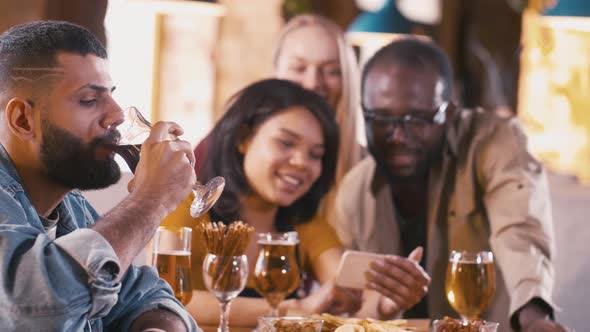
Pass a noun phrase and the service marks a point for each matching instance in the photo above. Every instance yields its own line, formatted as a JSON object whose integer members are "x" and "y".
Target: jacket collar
{"x": 10, "y": 177}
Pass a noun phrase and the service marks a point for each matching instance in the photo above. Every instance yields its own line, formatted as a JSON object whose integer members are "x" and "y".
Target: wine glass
{"x": 134, "y": 131}
{"x": 276, "y": 273}
{"x": 225, "y": 277}
{"x": 171, "y": 256}
{"x": 470, "y": 282}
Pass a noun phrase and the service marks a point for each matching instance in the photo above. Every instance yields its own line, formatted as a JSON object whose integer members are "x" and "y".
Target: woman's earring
{"x": 242, "y": 148}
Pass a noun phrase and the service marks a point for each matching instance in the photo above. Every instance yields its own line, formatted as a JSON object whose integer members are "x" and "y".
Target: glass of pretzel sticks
{"x": 225, "y": 268}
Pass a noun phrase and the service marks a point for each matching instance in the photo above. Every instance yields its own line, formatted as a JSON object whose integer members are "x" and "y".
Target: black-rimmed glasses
{"x": 411, "y": 124}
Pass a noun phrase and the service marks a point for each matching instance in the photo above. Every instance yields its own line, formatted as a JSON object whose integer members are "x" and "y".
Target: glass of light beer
{"x": 470, "y": 282}
{"x": 276, "y": 273}
{"x": 171, "y": 256}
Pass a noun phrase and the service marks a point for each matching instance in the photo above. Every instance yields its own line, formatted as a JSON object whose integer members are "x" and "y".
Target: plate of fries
{"x": 345, "y": 324}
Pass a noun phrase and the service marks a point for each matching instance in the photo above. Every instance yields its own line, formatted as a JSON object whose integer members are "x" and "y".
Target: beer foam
{"x": 174, "y": 252}
{"x": 277, "y": 242}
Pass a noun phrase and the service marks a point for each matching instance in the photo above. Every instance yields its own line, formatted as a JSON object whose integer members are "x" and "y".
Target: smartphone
{"x": 352, "y": 268}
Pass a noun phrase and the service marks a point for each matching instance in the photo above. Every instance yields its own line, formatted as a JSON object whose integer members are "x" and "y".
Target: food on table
{"x": 344, "y": 324}
{"x": 350, "y": 328}
{"x": 449, "y": 324}
{"x": 289, "y": 324}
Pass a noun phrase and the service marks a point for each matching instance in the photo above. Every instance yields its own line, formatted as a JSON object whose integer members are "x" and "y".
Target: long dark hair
{"x": 247, "y": 110}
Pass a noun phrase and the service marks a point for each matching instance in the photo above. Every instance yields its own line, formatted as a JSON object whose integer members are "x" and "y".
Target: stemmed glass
{"x": 225, "y": 277}
{"x": 134, "y": 131}
{"x": 276, "y": 273}
{"x": 470, "y": 282}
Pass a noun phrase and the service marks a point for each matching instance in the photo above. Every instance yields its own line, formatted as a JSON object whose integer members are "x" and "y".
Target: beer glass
{"x": 134, "y": 130}
{"x": 225, "y": 277}
{"x": 171, "y": 256}
{"x": 470, "y": 282}
{"x": 276, "y": 273}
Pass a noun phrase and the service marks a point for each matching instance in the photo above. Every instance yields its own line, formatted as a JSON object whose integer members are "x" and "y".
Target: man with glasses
{"x": 440, "y": 178}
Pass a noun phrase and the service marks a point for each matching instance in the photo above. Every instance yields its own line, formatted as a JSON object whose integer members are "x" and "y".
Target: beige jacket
{"x": 486, "y": 193}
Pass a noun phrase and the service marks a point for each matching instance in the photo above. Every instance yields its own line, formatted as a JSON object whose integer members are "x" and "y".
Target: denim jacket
{"x": 67, "y": 284}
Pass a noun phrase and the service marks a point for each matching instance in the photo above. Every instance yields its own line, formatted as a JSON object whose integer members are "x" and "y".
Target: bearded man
{"x": 64, "y": 268}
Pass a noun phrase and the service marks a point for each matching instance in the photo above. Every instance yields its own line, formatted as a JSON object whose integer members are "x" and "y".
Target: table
{"x": 421, "y": 325}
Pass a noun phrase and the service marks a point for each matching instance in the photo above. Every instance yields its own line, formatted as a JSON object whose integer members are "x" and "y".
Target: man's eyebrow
{"x": 378, "y": 110}
{"x": 96, "y": 87}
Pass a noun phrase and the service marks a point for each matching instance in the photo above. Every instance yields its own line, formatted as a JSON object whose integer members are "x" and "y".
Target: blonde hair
{"x": 346, "y": 110}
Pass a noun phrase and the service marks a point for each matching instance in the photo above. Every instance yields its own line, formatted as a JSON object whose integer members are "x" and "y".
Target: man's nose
{"x": 398, "y": 133}
{"x": 114, "y": 117}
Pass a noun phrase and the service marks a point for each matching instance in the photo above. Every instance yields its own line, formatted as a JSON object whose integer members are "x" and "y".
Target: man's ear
{"x": 20, "y": 118}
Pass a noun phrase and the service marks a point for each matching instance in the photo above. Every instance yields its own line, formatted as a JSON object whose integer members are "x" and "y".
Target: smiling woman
{"x": 276, "y": 146}
{"x": 275, "y": 136}
{"x": 283, "y": 158}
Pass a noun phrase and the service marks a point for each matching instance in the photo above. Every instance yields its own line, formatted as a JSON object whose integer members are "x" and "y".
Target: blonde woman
{"x": 312, "y": 52}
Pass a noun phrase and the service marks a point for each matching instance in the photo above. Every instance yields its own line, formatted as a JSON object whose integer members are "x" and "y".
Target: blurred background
{"x": 180, "y": 60}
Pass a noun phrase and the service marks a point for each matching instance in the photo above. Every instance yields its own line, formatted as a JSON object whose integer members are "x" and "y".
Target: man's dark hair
{"x": 415, "y": 53}
{"x": 249, "y": 109}
{"x": 26, "y": 48}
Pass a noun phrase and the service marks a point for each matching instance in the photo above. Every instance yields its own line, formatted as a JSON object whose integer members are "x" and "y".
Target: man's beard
{"x": 66, "y": 160}
{"x": 431, "y": 156}
{"x": 419, "y": 175}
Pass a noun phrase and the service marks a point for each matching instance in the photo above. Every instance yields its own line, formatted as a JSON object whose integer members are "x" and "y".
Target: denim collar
{"x": 11, "y": 182}
{"x": 9, "y": 178}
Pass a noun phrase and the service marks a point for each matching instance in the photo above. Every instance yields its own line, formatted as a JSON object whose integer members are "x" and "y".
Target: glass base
{"x": 206, "y": 196}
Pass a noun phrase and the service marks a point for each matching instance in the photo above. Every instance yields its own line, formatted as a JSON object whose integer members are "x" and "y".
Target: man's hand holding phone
{"x": 401, "y": 281}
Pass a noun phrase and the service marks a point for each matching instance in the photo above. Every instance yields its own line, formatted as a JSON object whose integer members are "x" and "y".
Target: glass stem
{"x": 198, "y": 186}
{"x": 224, "y": 316}
{"x": 274, "y": 311}
{"x": 198, "y": 204}
{"x": 464, "y": 320}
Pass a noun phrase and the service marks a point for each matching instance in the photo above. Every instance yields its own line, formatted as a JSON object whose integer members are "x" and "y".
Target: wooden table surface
{"x": 421, "y": 325}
